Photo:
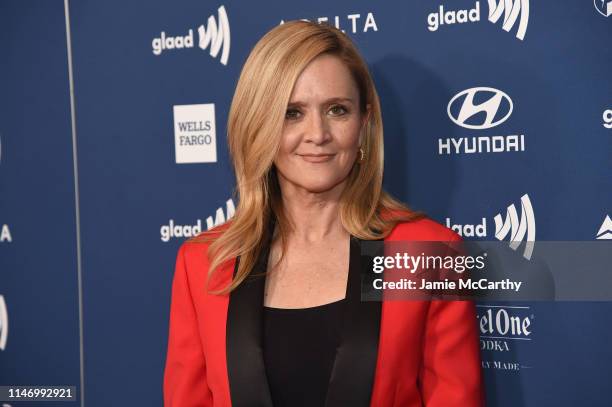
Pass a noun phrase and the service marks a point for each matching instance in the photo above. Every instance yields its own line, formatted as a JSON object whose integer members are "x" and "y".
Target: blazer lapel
{"x": 352, "y": 375}
{"x": 244, "y": 336}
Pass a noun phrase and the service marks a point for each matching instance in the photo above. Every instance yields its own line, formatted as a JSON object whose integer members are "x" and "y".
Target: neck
{"x": 315, "y": 215}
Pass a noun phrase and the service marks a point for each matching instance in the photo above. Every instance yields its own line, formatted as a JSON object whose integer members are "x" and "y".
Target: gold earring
{"x": 361, "y": 155}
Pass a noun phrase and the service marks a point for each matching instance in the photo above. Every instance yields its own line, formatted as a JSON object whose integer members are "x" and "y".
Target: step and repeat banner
{"x": 498, "y": 124}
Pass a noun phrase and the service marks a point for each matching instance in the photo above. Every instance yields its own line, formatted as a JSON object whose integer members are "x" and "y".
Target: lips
{"x": 316, "y": 158}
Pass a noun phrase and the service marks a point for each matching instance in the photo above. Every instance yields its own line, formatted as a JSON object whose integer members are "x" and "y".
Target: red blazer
{"x": 393, "y": 353}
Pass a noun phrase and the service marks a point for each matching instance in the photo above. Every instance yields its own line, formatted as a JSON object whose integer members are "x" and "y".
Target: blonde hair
{"x": 254, "y": 130}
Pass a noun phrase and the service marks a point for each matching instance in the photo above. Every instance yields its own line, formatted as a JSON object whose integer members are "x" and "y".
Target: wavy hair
{"x": 254, "y": 130}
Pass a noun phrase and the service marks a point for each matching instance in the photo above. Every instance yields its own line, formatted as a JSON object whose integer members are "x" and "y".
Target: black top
{"x": 354, "y": 366}
{"x": 299, "y": 347}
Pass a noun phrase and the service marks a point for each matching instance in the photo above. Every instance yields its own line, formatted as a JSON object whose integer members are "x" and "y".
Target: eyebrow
{"x": 330, "y": 100}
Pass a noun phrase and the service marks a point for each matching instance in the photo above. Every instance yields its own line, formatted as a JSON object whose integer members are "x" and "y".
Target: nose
{"x": 317, "y": 129}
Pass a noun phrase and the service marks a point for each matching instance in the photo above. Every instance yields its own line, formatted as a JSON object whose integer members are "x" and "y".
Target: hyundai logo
{"x": 480, "y": 108}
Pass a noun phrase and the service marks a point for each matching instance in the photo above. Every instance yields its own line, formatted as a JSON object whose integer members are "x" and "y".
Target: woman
{"x": 266, "y": 308}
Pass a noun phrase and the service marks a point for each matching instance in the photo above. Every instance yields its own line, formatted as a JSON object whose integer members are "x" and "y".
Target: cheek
{"x": 288, "y": 146}
{"x": 348, "y": 136}
{"x": 290, "y": 141}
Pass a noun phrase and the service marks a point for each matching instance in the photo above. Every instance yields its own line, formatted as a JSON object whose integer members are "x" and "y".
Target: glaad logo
{"x": 517, "y": 230}
{"x": 500, "y": 327}
{"x": 353, "y": 20}
{"x": 605, "y": 230}
{"x": 172, "y": 230}
{"x": 195, "y": 137}
{"x": 511, "y": 9}
{"x": 3, "y": 323}
{"x": 607, "y": 118}
{"x": 480, "y": 108}
{"x": 604, "y": 7}
{"x": 215, "y": 37}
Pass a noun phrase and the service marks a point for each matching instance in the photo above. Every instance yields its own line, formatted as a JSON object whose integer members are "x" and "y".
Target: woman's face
{"x": 322, "y": 128}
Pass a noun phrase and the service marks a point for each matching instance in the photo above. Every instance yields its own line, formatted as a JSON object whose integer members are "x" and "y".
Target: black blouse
{"x": 257, "y": 377}
{"x": 299, "y": 347}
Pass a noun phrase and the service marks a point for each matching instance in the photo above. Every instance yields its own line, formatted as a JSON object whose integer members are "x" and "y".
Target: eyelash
{"x": 345, "y": 111}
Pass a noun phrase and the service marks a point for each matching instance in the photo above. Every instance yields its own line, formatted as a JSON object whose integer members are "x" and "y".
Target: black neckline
{"x": 305, "y": 309}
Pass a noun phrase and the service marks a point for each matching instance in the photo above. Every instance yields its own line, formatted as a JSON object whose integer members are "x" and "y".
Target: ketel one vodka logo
{"x": 215, "y": 37}
{"x": 501, "y": 329}
{"x": 496, "y": 321}
{"x": 3, "y": 323}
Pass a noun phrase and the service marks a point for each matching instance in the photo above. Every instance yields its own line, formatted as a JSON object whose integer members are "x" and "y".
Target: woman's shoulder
{"x": 423, "y": 228}
{"x": 198, "y": 245}
{"x": 193, "y": 252}
{"x": 208, "y": 236}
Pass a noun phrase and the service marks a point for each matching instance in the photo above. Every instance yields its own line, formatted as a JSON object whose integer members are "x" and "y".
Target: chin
{"x": 318, "y": 186}
{"x": 315, "y": 181}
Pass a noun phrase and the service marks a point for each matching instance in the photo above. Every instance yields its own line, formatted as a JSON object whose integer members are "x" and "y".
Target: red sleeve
{"x": 451, "y": 371}
{"x": 185, "y": 371}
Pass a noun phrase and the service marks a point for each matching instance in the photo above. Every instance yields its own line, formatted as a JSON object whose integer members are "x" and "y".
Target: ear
{"x": 364, "y": 122}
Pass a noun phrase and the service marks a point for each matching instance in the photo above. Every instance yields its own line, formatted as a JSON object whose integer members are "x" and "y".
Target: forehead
{"x": 324, "y": 77}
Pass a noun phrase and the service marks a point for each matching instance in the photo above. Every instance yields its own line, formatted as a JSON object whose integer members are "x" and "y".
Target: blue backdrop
{"x": 488, "y": 106}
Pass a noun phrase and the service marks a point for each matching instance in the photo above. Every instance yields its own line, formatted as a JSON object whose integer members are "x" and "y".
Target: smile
{"x": 317, "y": 158}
